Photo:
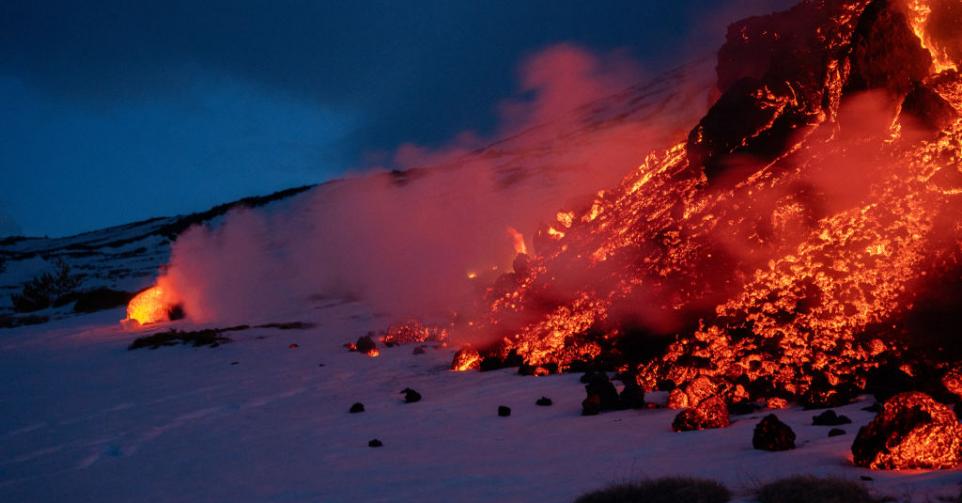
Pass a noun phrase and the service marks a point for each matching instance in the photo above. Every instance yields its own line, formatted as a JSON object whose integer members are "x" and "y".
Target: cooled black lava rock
{"x": 375, "y": 443}
{"x": 504, "y": 411}
{"x": 411, "y": 396}
{"x": 591, "y": 405}
{"x": 927, "y": 109}
{"x": 742, "y": 408}
{"x": 418, "y": 350}
{"x": 591, "y": 375}
{"x": 632, "y": 396}
{"x": 357, "y": 407}
{"x": 543, "y": 402}
{"x": 489, "y": 363}
{"x": 830, "y": 418}
{"x": 773, "y": 435}
{"x": 602, "y": 394}
{"x": 366, "y": 345}
{"x": 834, "y": 432}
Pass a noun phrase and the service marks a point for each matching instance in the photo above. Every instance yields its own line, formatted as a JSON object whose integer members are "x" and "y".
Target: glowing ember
{"x": 152, "y": 305}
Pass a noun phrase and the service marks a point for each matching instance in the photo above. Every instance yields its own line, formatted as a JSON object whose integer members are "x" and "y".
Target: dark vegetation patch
{"x": 48, "y": 289}
{"x": 211, "y": 337}
{"x": 666, "y": 490}
{"x": 808, "y": 489}
{"x": 292, "y": 325}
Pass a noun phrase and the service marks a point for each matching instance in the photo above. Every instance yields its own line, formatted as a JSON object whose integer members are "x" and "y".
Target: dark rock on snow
{"x": 834, "y": 432}
{"x": 543, "y": 401}
{"x": 602, "y": 394}
{"x": 830, "y": 418}
{"x": 365, "y": 345}
{"x": 375, "y": 443}
{"x": 411, "y": 396}
{"x": 357, "y": 407}
{"x": 504, "y": 411}
{"x": 773, "y": 435}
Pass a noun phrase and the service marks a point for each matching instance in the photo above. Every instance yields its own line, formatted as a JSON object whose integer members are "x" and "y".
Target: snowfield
{"x": 84, "y": 419}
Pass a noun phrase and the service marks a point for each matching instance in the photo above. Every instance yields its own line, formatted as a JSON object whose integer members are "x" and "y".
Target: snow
{"x": 86, "y": 420}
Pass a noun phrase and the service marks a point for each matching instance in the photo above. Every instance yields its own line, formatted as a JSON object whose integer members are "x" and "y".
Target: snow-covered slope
{"x": 258, "y": 420}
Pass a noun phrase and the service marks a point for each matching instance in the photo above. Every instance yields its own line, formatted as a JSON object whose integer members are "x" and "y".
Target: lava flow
{"x": 153, "y": 305}
{"x": 783, "y": 250}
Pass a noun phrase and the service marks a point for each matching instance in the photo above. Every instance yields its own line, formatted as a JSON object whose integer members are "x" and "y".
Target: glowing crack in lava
{"x": 153, "y": 305}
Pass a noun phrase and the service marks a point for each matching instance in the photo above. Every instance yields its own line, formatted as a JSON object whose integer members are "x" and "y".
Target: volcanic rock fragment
{"x": 357, "y": 407}
{"x": 366, "y": 345}
{"x": 709, "y": 414}
{"x": 927, "y": 109}
{"x": 591, "y": 405}
{"x": 952, "y": 380}
{"x": 834, "y": 432}
{"x": 375, "y": 443}
{"x": 411, "y": 396}
{"x": 771, "y": 434}
{"x": 602, "y": 394}
{"x": 467, "y": 358}
{"x": 543, "y": 401}
{"x": 912, "y": 431}
{"x": 632, "y": 396}
{"x": 504, "y": 411}
{"x": 830, "y": 418}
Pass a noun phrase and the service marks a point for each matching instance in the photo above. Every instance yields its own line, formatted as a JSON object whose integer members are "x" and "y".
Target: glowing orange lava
{"x": 151, "y": 306}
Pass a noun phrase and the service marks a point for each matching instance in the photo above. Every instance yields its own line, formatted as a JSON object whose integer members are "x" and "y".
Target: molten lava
{"x": 152, "y": 305}
{"x": 776, "y": 251}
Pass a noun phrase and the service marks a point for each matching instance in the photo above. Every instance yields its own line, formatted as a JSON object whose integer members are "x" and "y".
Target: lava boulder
{"x": 771, "y": 434}
{"x": 366, "y": 345}
{"x": 709, "y": 414}
{"x": 601, "y": 394}
{"x": 830, "y": 418}
{"x": 504, "y": 411}
{"x": 357, "y": 407}
{"x": 834, "y": 432}
{"x": 543, "y": 402}
{"x": 912, "y": 431}
{"x": 632, "y": 396}
{"x": 411, "y": 396}
{"x": 375, "y": 443}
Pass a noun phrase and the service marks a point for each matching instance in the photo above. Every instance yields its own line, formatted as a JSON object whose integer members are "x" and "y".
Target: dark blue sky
{"x": 114, "y": 111}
